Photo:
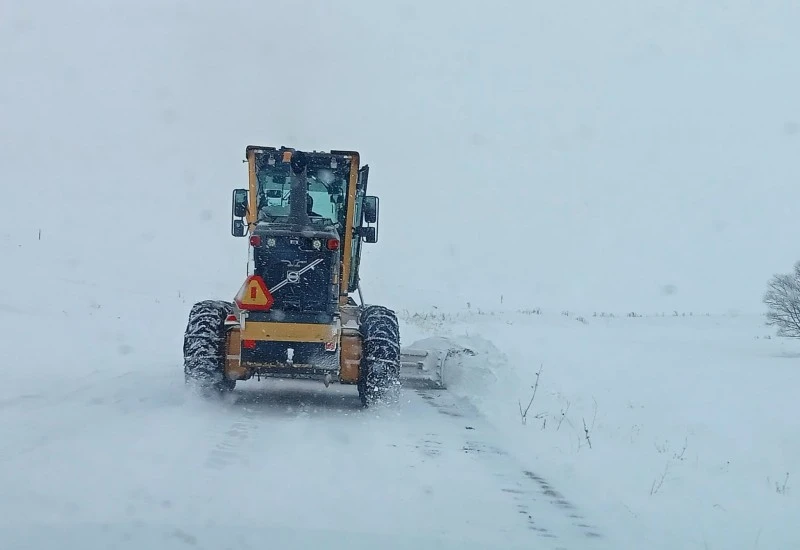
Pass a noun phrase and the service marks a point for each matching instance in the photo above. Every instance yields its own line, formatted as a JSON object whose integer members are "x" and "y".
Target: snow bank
{"x": 692, "y": 420}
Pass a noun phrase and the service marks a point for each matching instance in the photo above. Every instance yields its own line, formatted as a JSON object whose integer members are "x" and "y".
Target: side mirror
{"x": 371, "y": 209}
{"x": 237, "y": 229}
{"x": 239, "y": 203}
{"x": 369, "y": 234}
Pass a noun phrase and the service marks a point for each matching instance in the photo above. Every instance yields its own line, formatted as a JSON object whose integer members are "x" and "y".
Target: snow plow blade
{"x": 426, "y": 362}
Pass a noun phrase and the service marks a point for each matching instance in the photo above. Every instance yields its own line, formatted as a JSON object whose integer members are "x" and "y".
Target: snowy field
{"x": 692, "y": 419}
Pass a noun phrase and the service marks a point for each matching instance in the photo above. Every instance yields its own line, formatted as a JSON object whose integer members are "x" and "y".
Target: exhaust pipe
{"x": 298, "y": 205}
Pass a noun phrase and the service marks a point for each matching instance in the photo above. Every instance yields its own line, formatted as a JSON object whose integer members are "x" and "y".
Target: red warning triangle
{"x": 254, "y": 295}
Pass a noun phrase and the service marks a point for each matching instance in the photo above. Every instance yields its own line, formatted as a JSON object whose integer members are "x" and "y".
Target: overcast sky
{"x": 624, "y": 155}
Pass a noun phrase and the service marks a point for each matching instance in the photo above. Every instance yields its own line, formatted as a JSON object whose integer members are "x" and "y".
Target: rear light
{"x": 231, "y": 320}
{"x": 249, "y": 344}
{"x": 333, "y": 244}
{"x": 255, "y": 240}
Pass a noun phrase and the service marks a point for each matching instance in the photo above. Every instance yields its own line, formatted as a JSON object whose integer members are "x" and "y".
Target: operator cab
{"x": 283, "y": 184}
{"x": 325, "y": 190}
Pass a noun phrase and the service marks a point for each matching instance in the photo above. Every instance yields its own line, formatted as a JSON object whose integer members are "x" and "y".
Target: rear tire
{"x": 379, "y": 375}
{"x": 204, "y": 347}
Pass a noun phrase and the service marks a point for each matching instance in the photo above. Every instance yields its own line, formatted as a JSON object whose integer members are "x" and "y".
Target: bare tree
{"x": 783, "y": 303}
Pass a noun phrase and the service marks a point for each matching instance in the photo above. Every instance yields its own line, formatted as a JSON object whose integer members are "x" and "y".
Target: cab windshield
{"x": 325, "y": 195}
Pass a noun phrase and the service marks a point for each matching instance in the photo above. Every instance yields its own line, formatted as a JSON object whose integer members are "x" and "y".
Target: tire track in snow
{"x": 252, "y": 408}
{"x": 545, "y": 510}
{"x": 228, "y": 446}
{"x": 229, "y": 450}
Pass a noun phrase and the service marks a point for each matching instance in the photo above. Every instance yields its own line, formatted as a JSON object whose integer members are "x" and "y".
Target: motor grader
{"x": 306, "y": 216}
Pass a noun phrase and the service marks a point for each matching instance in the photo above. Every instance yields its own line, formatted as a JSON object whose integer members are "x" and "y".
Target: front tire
{"x": 379, "y": 375}
{"x": 204, "y": 347}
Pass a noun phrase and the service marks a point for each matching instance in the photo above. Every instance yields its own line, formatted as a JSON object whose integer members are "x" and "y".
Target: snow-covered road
{"x": 691, "y": 421}
{"x": 134, "y": 458}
